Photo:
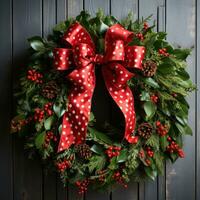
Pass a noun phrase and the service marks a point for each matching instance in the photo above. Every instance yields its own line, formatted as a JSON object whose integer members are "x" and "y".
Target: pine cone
{"x": 145, "y": 130}
{"x": 149, "y": 68}
{"x": 50, "y": 90}
{"x": 83, "y": 151}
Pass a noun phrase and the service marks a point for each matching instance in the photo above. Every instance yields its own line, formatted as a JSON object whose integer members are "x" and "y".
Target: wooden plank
{"x": 120, "y": 9}
{"x": 27, "y": 173}
{"x": 74, "y": 7}
{"x": 197, "y": 100}
{"x": 181, "y": 31}
{"x": 93, "y": 5}
{"x": 61, "y": 10}
{"x": 156, "y": 189}
{"x": 49, "y": 16}
{"x": 6, "y": 183}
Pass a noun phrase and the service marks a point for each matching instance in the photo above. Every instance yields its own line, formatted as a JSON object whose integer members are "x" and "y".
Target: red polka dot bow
{"x": 81, "y": 54}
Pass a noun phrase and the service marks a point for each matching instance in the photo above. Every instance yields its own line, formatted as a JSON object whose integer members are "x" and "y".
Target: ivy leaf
{"x": 165, "y": 68}
{"x": 39, "y": 140}
{"x": 48, "y": 123}
{"x": 149, "y": 109}
{"x": 122, "y": 156}
{"x": 36, "y": 43}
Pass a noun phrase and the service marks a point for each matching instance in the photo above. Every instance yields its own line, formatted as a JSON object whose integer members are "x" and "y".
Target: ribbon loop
{"x": 81, "y": 53}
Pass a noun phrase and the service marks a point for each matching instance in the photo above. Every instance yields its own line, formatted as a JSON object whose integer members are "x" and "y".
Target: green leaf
{"x": 58, "y": 109}
{"x": 91, "y": 117}
{"x": 145, "y": 96}
{"x": 122, "y": 156}
{"x": 48, "y": 123}
{"x": 151, "y": 82}
{"x": 188, "y": 130}
{"x": 102, "y": 28}
{"x": 39, "y": 140}
{"x": 153, "y": 141}
{"x": 163, "y": 142}
{"x": 113, "y": 164}
{"x": 96, "y": 162}
{"x": 97, "y": 149}
{"x": 152, "y": 174}
{"x": 61, "y": 27}
{"x": 182, "y": 54}
{"x": 97, "y": 135}
{"x": 36, "y": 43}
{"x": 149, "y": 109}
{"x": 165, "y": 68}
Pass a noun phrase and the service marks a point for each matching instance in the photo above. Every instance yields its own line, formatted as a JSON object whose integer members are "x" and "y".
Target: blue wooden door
{"x": 23, "y": 179}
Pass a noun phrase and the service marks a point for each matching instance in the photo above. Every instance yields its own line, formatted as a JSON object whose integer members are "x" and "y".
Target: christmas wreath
{"x": 145, "y": 79}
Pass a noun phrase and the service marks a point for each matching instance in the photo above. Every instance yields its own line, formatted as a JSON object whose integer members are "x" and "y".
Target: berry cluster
{"x": 161, "y": 129}
{"x": 63, "y": 165}
{"x": 148, "y": 162}
{"x": 139, "y": 36}
{"x": 49, "y": 136}
{"x": 149, "y": 151}
{"x": 34, "y": 76}
{"x": 82, "y": 186}
{"x": 17, "y": 125}
{"x": 48, "y": 108}
{"x": 38, "y": 115}
{"x": 173, "y": 147}
{"x": 163, "y": 52}
{"x": 101, "y": 174}
{"x": 119, "y": 179}
{"x": 154, "y": 98}
{"x": 113, "y": 151}
{"x": 145, "y": 25}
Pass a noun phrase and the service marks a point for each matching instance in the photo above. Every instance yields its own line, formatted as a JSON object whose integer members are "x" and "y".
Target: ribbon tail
{"x": 116, "y": 77}
{"x": 75, "y": 119}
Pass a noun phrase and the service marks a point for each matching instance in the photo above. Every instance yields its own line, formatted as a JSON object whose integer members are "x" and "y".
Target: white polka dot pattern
{"x": 82, "y": 55}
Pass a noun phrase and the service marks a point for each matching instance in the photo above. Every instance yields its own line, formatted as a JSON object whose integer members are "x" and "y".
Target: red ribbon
{"x": 81, "y": 54}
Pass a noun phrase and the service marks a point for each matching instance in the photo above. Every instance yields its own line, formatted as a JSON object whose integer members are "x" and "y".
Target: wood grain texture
{"x": 120, "y": 9}
{"x": 27, "y": 173}
{"x": 197, "y": 100}
{"x": 181, "y": 31}
{"x": 23, "y": 179}
{"x": 49, "y": 16}
{"x": 93, "y": 5}
{"x": 6, "y": 168}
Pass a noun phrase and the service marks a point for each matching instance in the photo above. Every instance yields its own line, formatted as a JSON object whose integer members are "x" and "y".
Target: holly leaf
{"x": 48, "y": 123}
{"x": 181, "y": 54}
{"x": 36, "y": 43}
{"x": 58, "y": 109}
{"x": 39, "y": 140}
{"x": 149, "y": 109}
